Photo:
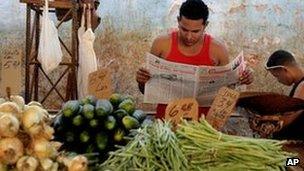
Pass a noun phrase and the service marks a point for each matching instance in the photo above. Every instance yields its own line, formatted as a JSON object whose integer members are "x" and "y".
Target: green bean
{"x": 206, "y": 148}
{"x": 154, "y": 147}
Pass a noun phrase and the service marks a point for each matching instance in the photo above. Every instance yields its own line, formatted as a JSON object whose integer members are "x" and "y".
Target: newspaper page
{"x": 211, "y": 79}
{"x": 170, "y": 80}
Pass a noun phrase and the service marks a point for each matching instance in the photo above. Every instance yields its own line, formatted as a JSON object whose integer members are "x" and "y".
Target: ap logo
{"x": 292, "y": 161}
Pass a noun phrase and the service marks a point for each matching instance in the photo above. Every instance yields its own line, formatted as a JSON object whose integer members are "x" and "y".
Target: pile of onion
{"x": 39, "y": 152}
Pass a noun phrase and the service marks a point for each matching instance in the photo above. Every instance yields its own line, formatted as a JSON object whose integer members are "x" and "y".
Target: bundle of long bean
{"x": 208, "y": 149}
{"x": 155, "y": 147}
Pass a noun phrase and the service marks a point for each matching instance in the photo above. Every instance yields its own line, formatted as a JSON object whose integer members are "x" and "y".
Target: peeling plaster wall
{"x": 129, "y": 26}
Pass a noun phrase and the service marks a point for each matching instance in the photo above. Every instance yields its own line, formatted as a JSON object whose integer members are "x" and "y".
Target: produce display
{"x": 195, "y": 146}
{"x": 93, "y": 125}
{"x": 154, "y": 147}
{"x": 111, "y": 134}
{"x": 26, "y": 139}
{"x": 208, "y": 149}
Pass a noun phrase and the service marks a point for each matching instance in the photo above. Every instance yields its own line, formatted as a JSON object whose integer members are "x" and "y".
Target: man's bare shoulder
{"x": 160, "y": 45}
{"x": 219, "y": 52}
{"x": 162, "y": 40}
{"x": 218, "y": 44}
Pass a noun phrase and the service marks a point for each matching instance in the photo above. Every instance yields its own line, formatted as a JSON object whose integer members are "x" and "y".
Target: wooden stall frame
{"x": 32, "y": 65}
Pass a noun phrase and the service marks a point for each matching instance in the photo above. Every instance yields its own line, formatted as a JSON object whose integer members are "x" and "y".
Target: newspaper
{"x": 170, "y": 80}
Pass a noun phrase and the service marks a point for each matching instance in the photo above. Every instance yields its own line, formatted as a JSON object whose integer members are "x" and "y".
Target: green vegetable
{"x": 84, "y": 137}
{"x": 88, "y": 111}
{"x": 110, "y": 123}
{"x": 119, "y": 114}
{"x": 116, "y": 99}
{"x": 77, "y": 120}
{"x": 69, "y": 136}
{"x": 80, "y": 110}
{"x": 139, "y": 115}
{"x": 70, "y": 108}
{"x": 209, "y": 149}
{"x": 128, "y": 97}
{"x": 119, "y": 135}
{"x": 103, "y": 108}
{"x": 58, "y": 123}
{"x": 147, "y": 151}
{"x": 101, "y": 141}
{"x": 130, "y": 123}
{"x": 147, "y": 122}
{"x": 94, "y": 123}
{"x": 127, "y": 105}
{"x": 90, "y": 148}
{"x": 88, "y": 100}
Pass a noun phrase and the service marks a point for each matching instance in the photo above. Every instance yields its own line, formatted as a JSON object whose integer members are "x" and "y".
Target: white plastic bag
{"x": 49, "y": 50}
{"x": 87, "y": 57}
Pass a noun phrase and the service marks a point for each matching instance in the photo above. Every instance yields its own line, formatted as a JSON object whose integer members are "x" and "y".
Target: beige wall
{"x": 129, "y": 26}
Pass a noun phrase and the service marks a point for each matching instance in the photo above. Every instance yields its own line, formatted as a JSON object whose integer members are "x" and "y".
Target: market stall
{"x": 96, "y": 128}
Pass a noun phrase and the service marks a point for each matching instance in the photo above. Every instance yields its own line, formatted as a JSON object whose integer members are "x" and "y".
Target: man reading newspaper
{"x": 189, "y": 45}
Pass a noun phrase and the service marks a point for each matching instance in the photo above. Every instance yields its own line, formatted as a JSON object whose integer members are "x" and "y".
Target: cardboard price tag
{"x": 100, "y": 83}
{"x": 10, "y": 72}
{"x": 183, "y": 108}
{"x": 222, "y": 107}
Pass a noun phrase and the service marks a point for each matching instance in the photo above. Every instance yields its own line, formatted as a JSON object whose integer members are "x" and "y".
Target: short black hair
{"x": 280, "y": 57}
{"x": 194, "y": 10}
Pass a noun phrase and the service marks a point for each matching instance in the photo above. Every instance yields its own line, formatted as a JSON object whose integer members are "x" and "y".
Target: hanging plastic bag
{"x": 87, "y": 57}
{"x": 49, "y": 50}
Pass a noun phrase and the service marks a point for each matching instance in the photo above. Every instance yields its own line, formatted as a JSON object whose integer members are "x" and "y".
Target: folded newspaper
{"x": 171, "y": 80}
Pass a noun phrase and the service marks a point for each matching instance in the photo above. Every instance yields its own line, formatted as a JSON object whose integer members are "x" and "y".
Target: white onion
{"x": 46, "y": 164}
{"x": 47, "y": 132}
{"x": 42, "y": 148}
{"x": 11, "y": 149}
{"x": 9, "y": 125}
{"x": 27, "y": 163}
{"x": 31, "y": 119}
{"x": 78, "y": 163}
{"x": 18, "y": 100}
{"x": 11, "y": 107}
{"x": 55, "y": 167}
{"x": 35, "y": 103}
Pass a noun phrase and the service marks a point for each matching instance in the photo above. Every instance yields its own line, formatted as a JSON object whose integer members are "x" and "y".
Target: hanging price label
{"x": 222, "y": 107}
{"x": 100, "y": 83}
{"x": 183, "y": 108}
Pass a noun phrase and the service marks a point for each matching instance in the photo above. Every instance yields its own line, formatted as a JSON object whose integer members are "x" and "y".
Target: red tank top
{"x": 202, "y": 58}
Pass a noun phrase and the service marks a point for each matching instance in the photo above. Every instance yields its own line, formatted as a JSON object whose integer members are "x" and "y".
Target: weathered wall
{"x": 129, "y": 26}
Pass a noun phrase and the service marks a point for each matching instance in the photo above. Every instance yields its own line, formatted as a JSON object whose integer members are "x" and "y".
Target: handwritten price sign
{"x": 183, "y": 108}
{"x": 11, "y": 71}
{"x": 10, "y": 62}
{"x": 222, "y": 107}
{"x": 11, "y": 59}
{"x": 100, "y": 83}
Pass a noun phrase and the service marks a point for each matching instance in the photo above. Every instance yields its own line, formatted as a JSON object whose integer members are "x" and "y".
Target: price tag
{"x": 100, "y": 83}
{"x": 11, "y": 72}
{"x": 222, "y": 107}
{"x": 183, "y": 108}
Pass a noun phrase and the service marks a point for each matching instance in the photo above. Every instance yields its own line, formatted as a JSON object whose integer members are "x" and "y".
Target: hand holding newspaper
{"x": 171, "y": 80}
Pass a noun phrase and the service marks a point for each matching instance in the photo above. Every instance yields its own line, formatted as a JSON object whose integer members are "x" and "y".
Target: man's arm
{"x": 143, "y": 75}
{"x": 219, "y": 53}
{"x": 161, "y": 45}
